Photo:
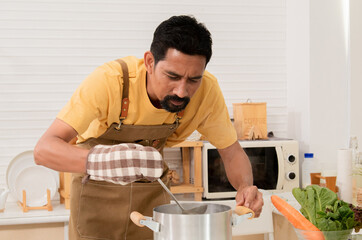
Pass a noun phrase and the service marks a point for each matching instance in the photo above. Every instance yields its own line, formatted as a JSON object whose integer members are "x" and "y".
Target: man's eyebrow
{"x": 177, "y": 75}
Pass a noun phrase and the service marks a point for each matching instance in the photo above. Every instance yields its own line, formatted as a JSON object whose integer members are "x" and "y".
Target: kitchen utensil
{"x": 35, "y": 180}
{"x": 3, "y": 196}
{"x": 196, "y": 210}
{"x": 216, "y": 223}
{"x": 23, "y": 161}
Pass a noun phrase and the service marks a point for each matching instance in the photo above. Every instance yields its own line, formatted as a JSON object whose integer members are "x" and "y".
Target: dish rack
{"x": 26, "y": 208}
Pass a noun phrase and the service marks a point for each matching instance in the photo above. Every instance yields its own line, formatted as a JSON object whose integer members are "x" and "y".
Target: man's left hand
{"x": 250, "y": 197}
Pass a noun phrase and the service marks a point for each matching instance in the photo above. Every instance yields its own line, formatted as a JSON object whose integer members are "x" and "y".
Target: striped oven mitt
{"x": 124, "y": 163}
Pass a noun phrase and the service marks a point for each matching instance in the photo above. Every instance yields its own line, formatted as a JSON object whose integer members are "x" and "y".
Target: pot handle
{"x": 141, "y": 221}
{"x": 241, "y": 213}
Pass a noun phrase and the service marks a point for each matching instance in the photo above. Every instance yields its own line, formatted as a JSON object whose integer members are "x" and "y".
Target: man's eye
{"x": 173, "y": 77}
{"x": 194, "y": 80}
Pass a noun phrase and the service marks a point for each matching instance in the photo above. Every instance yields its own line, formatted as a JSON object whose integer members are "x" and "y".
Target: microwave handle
{"x": 280, "y": 159}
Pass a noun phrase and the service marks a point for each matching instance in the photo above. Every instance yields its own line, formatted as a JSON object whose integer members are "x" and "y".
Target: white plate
{"x": 18, "y": 164}
{"x": 35, "y": 181}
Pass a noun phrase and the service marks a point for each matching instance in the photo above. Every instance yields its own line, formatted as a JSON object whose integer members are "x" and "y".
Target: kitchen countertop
{"x": 13, "y": 214}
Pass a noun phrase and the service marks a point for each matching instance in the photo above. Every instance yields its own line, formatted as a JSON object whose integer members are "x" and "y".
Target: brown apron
{"x": 100, "y": 210}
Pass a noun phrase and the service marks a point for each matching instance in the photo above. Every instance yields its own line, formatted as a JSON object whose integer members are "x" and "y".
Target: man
{"x": 122, "y": 113}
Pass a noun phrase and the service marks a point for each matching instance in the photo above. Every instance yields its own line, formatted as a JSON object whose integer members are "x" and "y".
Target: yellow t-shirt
{"x": 96, "y": 104}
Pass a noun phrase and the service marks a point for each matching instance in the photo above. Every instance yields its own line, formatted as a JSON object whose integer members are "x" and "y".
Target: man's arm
{"x": 240, "y": 175}
{"x": 54, "y": 151}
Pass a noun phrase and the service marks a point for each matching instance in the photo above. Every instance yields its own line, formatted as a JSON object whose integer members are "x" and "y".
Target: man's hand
{"x": 250, "y": 197}
{"x": 240, "y": 175}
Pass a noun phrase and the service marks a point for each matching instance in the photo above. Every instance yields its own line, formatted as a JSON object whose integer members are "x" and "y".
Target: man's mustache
{"x": 177, "y": 98}
{"x": 168, "y": 106}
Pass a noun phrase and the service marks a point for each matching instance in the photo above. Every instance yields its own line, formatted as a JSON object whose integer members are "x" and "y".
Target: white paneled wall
{"x": 47, "y": 47}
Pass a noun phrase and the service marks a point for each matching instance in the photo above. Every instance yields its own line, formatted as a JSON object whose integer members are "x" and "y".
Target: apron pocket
{"x": 103, "y": 210}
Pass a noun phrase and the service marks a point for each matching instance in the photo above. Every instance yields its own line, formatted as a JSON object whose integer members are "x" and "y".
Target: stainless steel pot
{"x": 168, "y": 222}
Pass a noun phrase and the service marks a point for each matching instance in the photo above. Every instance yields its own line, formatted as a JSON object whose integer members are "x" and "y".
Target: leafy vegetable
{"x": 336, "y": 218}
{"x": 357, "y": 216}
{"x": 321, "y": 207}
{"x": 314, "y": 199}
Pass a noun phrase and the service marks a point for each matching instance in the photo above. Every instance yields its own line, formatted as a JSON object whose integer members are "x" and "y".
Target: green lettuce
{"x": 321, "y": 206}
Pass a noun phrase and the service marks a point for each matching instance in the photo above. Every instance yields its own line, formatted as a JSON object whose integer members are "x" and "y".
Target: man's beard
{"x": 168, "y": 106}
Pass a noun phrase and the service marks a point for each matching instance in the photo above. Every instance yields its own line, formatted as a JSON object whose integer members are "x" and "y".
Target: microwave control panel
{"x": 290, "y": 151}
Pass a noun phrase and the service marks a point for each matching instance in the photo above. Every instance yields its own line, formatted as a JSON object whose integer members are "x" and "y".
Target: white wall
{"x": 329, "y": 81}
{"x": 356, "y": 70}
{"x": 298, "y": 73}
{"x": 47, "y": 47}
{"x": 324, "y": 76}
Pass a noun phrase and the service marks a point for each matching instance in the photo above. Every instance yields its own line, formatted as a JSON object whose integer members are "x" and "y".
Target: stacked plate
{"x": 24, "y": 174}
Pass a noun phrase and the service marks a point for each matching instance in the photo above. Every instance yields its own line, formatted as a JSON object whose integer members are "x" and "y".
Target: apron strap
{"x": 125, "y": 100}
{"x": 180, "y": 114}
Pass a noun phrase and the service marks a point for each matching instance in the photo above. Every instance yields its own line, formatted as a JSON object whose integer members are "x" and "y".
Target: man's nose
{"x": 181, "y": 89}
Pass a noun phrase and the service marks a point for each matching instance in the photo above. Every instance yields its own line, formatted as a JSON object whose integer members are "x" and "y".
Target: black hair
{"x": 184, "y": 34}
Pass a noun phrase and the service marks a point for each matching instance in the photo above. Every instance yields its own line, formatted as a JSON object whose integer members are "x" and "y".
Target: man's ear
{"x": 149, "y": 61}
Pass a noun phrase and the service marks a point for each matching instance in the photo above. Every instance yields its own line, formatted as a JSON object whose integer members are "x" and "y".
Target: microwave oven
{"x": 275, "y": 166}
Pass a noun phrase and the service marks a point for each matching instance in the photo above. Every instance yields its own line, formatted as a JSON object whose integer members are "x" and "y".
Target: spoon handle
{"x": 169, "y": 192}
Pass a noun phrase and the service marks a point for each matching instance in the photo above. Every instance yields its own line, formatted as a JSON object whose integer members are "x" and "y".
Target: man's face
{"x": 174, "y": 80}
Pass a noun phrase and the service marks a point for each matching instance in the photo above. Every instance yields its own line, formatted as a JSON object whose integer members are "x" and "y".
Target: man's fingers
{"x": 251, "y": 196}
{"x": 253, "y": 199}
{"x": 257, "y": 204}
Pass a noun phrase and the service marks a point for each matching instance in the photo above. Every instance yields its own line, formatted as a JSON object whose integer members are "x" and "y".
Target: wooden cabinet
{"x": 53, "y": 231}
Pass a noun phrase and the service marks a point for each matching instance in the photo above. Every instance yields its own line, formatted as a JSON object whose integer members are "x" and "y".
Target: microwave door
{"x": 280, "y": 182}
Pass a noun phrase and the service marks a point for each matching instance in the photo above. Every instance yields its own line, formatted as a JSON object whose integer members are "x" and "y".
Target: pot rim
{"x": 158, "y": 209}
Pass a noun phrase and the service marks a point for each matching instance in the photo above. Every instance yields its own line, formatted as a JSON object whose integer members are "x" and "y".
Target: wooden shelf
{"x": 188, "y": 187}
{"x": 64, "y": 188}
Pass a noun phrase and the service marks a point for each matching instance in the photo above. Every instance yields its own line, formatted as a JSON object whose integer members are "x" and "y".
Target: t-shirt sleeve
{"x": 217, "y": 126}
{"x": 90, "y": 101}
